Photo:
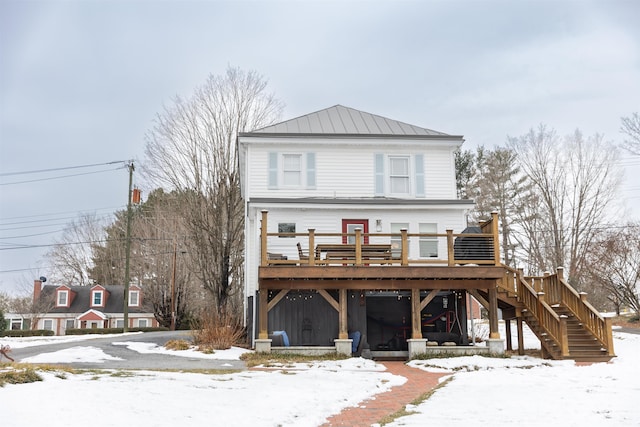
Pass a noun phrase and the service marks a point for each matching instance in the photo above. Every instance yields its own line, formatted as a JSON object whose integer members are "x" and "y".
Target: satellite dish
{"x": 43, "y": 279}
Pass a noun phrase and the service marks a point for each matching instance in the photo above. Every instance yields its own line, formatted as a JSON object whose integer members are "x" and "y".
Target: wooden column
{"x": 416, "y": 321}
{"x": 343, "y": 333}
{"x": 450, "y": 251}
{"x": 496, "y": 238}
{"x": 507, "y": 332}
{"x": 493, "y": 313}
{"x": 263, "y": 310}
{"x": 312, "y": 246}
{"x": 520, "y": 336}
{"x": 263, "y": 239}
{"x": 404, "y": 247}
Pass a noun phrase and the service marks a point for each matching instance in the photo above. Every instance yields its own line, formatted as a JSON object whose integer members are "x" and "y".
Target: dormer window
{"x": 63, "y": 299}
{"x": 97, "y": 299}
{"x": 134, "y": 298}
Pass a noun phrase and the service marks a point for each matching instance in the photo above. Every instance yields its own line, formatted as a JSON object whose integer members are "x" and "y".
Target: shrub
{"x": 111, "y": 330}
{"x": 177, "y": 345}
{"x": 217, "y": 331}
{"x": 27, "y": 333}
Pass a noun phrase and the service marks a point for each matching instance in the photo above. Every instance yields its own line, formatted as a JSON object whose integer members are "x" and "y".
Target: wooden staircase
{"x": 567, "y": 326}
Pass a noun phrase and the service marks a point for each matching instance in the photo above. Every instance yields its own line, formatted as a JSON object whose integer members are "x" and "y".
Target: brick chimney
{"x": 37, "y": 287}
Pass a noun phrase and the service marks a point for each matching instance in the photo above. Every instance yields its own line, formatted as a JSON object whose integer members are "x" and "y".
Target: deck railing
{"x": 448, "y": 249}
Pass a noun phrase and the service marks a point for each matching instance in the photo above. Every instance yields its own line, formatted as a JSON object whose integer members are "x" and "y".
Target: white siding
{"x": 348, "y": 171}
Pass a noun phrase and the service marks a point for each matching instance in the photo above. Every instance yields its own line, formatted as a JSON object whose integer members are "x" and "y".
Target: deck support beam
{"x": 494, "y": 333}
{"x": 263, "y": 310}
{"x": 520, "y": 336}
{"x": 342, "y": 320}
{"x": 416, "y": 331}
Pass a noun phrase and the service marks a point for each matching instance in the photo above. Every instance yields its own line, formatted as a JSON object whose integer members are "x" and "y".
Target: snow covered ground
{"x": 521, "y": 391}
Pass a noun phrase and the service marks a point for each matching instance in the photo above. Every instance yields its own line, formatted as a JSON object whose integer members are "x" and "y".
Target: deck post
{"x": 416, "y": 330}
{"x": 496, "y": 239}
{"x": 404, "y": 246}
{"x": 263, "y": 239}
{"x": 564, "y": 336}
{"x": 507, "y": 332}
{"x": 450, "y": 251}
{"x": 608, "y": 331}
{"x": 263, "y": 301}
{"x": 343, "y": 333}
{"x": 493, "y": 313}
{"x": 311, "y": 246}
{"x": 520, "y": 336}
{"x": 358, "y": 246}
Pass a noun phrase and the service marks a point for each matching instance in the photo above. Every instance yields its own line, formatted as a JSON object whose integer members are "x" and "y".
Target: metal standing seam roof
{"x": 341, "y": 120}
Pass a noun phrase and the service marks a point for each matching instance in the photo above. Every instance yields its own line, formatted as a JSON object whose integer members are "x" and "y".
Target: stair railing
{"x": 577, "y": 303}
{"x": 535, "y": 302}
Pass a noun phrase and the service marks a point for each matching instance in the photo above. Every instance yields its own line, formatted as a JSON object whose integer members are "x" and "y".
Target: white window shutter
{"x": 311, "y": 170}
{"x": 419, "y": 175}
{"x": 273, "y": 170}
{"x": 379, "y": 175}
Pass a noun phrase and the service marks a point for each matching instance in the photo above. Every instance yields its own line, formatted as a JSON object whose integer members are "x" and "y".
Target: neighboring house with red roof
{"x": 65, "y": 307}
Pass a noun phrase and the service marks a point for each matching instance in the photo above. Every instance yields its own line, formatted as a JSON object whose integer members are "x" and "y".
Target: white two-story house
{"x": 352, "y": 237}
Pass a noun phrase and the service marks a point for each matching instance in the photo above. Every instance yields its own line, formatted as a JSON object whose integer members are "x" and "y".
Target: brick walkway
{"x": 373, "y": 410}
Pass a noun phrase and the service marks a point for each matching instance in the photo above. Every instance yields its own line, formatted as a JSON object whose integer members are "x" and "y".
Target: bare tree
{"x": 631, "y": 128}
{"x": 71, "y": 253}
{"x": 192, "y": 149}
{"x": 573, "y": 180}
{"x": 614, "y": 264}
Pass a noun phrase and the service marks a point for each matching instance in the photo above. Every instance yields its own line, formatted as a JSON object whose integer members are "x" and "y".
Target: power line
{"x": 60, "y": 169}
{"x": 57, "y": 177}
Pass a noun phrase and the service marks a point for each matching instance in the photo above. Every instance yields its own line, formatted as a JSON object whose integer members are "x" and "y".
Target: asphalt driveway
{"x": 132, "y": 359}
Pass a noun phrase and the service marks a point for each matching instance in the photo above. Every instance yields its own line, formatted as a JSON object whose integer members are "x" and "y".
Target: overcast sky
{"x": 81, "y": 82}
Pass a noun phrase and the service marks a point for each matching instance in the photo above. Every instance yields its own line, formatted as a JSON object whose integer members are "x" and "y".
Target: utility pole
{"x": 173, "y": 287}
{"x": 128, "y": 251}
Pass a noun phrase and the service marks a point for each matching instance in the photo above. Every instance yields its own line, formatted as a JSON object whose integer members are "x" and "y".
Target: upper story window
{"x": 63, "y": 298}
{"x": 134, "y": 298}
{"x": 292, "y": 170}
{"x": 286, "y": 227}
{"x": 399, "y": 175}
{"x": 97, "y": 298}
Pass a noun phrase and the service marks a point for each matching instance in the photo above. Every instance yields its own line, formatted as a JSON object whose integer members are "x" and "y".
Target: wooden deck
{"x": 332, "y": 269}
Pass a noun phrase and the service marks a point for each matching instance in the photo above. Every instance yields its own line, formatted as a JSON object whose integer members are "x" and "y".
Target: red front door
{"x": 350, "y": 225}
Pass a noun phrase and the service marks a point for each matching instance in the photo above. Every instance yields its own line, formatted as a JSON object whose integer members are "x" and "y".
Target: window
{"x": 120, "y": 323}
{"x": 97, "y": 298}
{"x": 396, "y": 239}
{"x": 399, "y": 175}
{"x": 63, "y": 297}
{"x": 47, "y": 324}
{"x": 428, "y": 244}
{"x": 292, "y": 170}
{"x": 134, "y": 298}
{"x": 142, "y": 323}
{"x": 286, "y": 227}
{"x": 16, "y": 324}
{"x": 70, "y": 324}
